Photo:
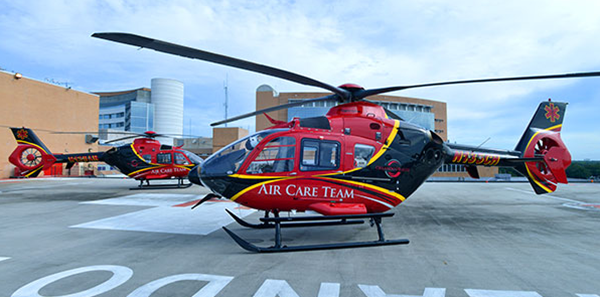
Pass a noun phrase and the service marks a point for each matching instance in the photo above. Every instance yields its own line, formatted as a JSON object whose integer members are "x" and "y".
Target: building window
{"x": 452, "y": 168}
{"x": 439, "y": 120}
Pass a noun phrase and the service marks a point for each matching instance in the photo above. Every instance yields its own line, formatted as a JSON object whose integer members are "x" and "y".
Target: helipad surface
{"x": 94, "y": 237}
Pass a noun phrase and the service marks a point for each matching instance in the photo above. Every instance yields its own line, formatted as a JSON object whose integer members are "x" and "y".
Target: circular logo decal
{"x": 393, "y": 168}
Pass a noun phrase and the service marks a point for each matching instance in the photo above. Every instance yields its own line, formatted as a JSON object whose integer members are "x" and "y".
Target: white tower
{"x": 167, "y": 97}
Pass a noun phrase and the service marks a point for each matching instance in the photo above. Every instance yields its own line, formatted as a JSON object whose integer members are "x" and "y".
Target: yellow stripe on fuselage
{"x": 383, "y": 149}
{"x": 387, "y": 143}
{"x": 144, "y": 169}
{"x": 159, "y": 166}
{"x": 380, "y": 153}
{"x": 248, "y": 176}
{"x": 33, "y": 144}
{"x": 36, "y": 170}
{"x": 370, "y": 186}
{"x": 242, "y": 192}
{"x": 138, "y": 155}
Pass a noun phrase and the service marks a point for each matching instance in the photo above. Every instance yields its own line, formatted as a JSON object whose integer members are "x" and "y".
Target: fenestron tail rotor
{"x": 31, "y": 157}
{"x": 342, "y": 93}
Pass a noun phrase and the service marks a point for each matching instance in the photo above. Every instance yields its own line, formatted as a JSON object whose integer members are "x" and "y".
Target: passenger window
{"x": 276, "y": 156}
{"x": 362, "y": 155}
{"x": 180, "y": 159}
{"x": 163, "y": 158}
{"x": 320, "y": 155}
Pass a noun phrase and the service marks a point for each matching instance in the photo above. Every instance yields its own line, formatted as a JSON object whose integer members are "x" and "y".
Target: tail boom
{"x": 540, "y": 155}
{"x": 31, "y": 156}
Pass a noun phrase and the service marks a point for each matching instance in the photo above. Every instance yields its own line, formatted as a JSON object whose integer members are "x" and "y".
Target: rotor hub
{"x": 351, "y": 87}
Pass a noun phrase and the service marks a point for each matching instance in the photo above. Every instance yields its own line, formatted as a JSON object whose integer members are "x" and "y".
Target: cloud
{"x": 390, "y": 43}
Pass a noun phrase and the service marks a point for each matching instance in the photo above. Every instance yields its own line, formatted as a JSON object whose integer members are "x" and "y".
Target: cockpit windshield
{"x": 193, "y": 157}
{"x": 228, "y": 160}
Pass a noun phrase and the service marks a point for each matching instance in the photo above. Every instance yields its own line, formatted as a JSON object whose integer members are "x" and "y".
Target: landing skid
{"x": 180, "y": 185}
{"x": 276, "y": 223}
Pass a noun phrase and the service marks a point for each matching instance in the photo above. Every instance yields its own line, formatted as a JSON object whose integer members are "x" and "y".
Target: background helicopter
{"x": 358, "y": 161}
{"x": 145, "y": 159}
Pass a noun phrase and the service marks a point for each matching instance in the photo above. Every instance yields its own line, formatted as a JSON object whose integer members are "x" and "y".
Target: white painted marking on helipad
{"x": 376, "y": 291}
{"x": 329, "y": 290}
{"x": 120, "y": 275}
{"x": 216, "y": 283}
{"x": 571, "y": 203}
{"x": 164, "y": 218}
{"x": 546, "y": 196}
{"x": 4, "y": 258}
{"x": 498, "y": 293}
{"x": 147, "y": 200}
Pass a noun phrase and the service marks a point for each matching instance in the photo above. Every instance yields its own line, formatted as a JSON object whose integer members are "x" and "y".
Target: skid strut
{"x": 276, "y": 222}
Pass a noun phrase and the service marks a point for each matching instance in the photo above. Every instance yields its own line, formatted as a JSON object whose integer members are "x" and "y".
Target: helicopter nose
{"x": 194, "y": 175}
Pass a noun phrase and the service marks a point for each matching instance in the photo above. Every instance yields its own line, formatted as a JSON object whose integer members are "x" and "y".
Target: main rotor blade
{"x": 122, "y": 138}
{"x": 365, "y": 93}
{"x": 97, "y": 132}
{"x": 274, "y": 108}
{"x": 174, "y": 135}
{"x": 193, "y": 53}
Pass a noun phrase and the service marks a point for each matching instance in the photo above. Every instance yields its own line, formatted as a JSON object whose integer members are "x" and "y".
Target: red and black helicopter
{"x": 356, "y": 162}
{"x": 145, "y": 159}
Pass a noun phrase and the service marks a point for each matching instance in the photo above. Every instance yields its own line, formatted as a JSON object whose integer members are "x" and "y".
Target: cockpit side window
{"x": 180, "y": 159}
{"x": 276, "y": 156}
{"x": 320, "y": 155}
{"x": 229, "y": 159}
{"x": 192, "y": 157}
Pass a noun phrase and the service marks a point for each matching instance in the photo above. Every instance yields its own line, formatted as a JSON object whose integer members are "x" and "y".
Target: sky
{"x": 382, "y": 43}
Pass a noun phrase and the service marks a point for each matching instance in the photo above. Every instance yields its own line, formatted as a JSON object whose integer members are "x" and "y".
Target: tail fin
{"x": 31, "y": 155}
{"x": 542, "y": 139}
